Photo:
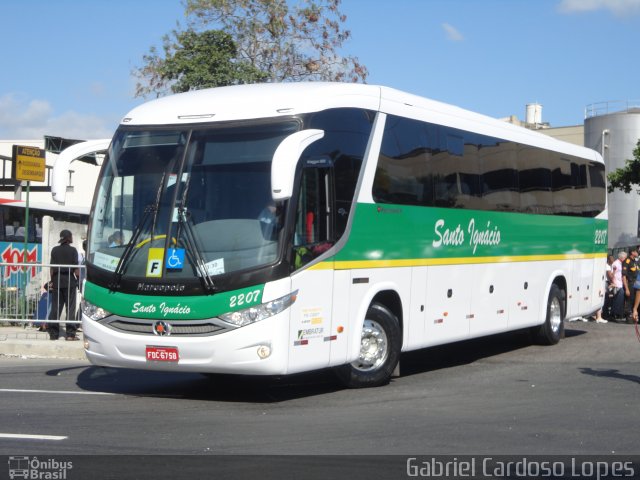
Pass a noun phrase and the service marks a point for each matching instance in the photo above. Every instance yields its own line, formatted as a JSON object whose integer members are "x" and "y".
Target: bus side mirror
{"x": 285, "y": 160}
{"x": 60, "y": 174}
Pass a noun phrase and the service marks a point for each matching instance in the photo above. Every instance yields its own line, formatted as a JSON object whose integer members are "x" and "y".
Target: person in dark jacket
{"x": 629, "y": 277}
{"x": 64, "y": 284}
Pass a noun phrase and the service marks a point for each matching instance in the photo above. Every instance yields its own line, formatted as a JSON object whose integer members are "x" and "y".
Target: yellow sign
{"x": 154, "y": 262}
{"x": 28, "y": 163}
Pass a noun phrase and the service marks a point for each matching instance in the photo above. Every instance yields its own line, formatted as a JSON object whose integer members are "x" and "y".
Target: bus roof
{"x": 252, "y": 101}
{"x": 242, "y": 102}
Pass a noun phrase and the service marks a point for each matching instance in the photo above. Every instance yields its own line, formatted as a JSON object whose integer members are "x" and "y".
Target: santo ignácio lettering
{"x": 178, "y": 309}
{"x": 489, "y": 236}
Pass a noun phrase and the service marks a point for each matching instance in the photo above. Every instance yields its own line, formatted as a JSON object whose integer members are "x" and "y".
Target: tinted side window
{"x": 595, "y": 194}
{"x": 499, "y": 167}
{"x": 534, "y": 178}
{"x": 403, "y": 175}
{"x": 433, "y": 165}
{"x": 564, "y": 198}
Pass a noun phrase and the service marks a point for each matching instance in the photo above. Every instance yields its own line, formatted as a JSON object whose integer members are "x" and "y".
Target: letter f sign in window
{"x": 154, "y": 262}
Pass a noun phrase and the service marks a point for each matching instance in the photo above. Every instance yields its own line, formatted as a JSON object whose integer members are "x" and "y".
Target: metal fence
{"x": 26, "y": 295}
{"x": 612, "y": 106}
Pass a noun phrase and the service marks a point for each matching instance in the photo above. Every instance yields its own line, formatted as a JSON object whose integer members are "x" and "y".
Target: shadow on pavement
{"x": 261, "y": 389}
{"x": 611, "y": 373}
{"x": 214, "y": 387}
{"x": 469, "y": 351}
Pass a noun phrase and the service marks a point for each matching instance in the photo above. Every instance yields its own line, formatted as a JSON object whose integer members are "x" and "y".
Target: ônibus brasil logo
{"x": 38, "y": 469}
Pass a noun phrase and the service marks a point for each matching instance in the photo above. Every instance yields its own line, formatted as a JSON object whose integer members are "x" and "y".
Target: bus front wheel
{"x": 552, "y": 330}
{"x": 380, "y": 344}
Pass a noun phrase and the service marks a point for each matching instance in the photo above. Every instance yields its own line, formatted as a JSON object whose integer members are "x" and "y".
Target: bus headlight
{"x": 94, "y": 312}
{"x": 256, "y": 313}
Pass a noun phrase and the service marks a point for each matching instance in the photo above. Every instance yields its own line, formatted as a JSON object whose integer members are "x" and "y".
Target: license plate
{"x": 162, "y": 354}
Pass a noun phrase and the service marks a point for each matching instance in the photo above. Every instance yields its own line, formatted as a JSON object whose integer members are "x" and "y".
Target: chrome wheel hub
{"x": 374, "y": 347}
{"x": 555, "y": 315}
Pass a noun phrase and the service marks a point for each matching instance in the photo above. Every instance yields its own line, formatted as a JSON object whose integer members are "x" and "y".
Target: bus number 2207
{"x": 244, "y": 299}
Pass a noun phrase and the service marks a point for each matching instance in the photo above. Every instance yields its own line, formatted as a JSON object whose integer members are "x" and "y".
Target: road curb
{"x": 50, "y": 350}
{"x": 37, "y": 345}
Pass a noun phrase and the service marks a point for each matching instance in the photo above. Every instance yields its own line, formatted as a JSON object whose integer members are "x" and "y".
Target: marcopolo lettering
{"x": 161, "y": 287}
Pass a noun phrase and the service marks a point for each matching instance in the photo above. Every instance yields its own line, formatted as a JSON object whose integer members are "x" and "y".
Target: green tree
{"x": 194, "y": 60}
{"x": 266, "y": 40}
{"x": 626, "y": 177}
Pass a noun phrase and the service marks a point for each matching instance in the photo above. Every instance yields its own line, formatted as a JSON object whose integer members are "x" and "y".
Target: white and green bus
{"x": 280, "y": 228}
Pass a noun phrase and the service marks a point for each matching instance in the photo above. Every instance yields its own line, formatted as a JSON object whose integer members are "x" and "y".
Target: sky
{"x": 67, "y": 64}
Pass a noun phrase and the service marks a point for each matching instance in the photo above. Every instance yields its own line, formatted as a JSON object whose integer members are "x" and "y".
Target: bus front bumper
{"x": 257, "y": 349}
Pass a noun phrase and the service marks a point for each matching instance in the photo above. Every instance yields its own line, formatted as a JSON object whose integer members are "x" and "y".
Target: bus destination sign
{"x": 28, "y": 163}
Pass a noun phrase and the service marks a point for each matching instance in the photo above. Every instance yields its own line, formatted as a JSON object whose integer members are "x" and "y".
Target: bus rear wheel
{"x": 552, "y": 330}
{"x": 380, "y": 344}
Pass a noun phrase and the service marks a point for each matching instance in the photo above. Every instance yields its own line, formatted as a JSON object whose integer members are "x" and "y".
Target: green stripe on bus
{"x": 174, "y": 308}
{"x": 388, "y": 235}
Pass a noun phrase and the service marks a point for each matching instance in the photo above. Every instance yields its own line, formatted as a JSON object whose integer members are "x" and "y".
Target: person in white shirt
{"x": 617, "y": 290}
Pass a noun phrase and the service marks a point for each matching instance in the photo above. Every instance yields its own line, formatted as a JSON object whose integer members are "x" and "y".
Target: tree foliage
{"x": 242, "y": 41}
{"x": 194, "y": 60}
{"x": 626, "y": 177}
{"x": 288, "y": 42}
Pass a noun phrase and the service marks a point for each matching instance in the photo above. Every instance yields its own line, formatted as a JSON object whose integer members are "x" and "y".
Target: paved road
{"x": 499, "y": 395}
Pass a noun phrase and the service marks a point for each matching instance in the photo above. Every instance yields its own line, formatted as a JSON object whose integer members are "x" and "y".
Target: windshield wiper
{"x": 127, "y": 254}
{"x": 190, "y": 240}
{"x": 191, "y": 245}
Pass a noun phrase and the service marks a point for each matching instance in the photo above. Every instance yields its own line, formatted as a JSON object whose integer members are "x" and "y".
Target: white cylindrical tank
{"x": 534, "y": 113}
{"x": 614, "y": 136}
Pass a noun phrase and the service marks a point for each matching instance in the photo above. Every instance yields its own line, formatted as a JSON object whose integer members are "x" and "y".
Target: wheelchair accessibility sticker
{"x": 175, "y": 259}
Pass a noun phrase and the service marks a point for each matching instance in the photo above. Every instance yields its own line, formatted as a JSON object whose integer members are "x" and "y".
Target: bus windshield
{"x": 186, "y": 203}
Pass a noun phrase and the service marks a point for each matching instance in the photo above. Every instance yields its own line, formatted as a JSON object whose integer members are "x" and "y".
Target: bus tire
{"x": 380, "y": 346}
{"x": 552, "y": 330}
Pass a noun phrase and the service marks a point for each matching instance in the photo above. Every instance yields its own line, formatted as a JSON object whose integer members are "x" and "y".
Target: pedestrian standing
{"x": 629, "y": 276}
{"x": 608, "y": 289}
{"x": 616, "y": 292}
{"x": 64, "y": 284}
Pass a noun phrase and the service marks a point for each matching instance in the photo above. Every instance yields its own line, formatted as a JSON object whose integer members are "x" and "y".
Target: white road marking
{"x": 63, "y": 392}
{"x": 32, "y": 437}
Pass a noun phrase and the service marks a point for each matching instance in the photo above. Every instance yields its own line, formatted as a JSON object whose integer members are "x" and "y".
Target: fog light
{"x": 86, "y": 344}
{"x": 264, "y": 351}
